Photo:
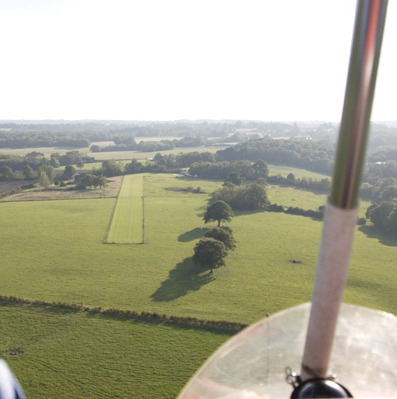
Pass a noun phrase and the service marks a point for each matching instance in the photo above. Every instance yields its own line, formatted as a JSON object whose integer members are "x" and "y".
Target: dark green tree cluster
{"x": 70, "y": 158}
{"x": 6, "y": 173}
{"x": 89, "y": 180}
{"x": 182, "y": 160}
{"x": 297, "y": 152}
{"x": 129, "y": 144}
{"x": 160, "y": 164}
{"x": 29, "y": 139}
{"x": 322, "y": 185}
{"x": 222, "y": 170}
{"x": 212, "y": 249}
{"x": 383, "y": 215}
{"x": 380, "y": 182}
{"x": 112, "y": 168}
{"x": 218, "y": 211}
{"x": 248, "y": 197}
{"x": 46, "y": 175}
{"x": 27, "y": 167}
{"x": 223, "y": 234}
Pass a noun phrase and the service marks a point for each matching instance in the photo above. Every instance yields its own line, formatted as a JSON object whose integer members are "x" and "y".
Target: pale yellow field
{"x": 127, "y": 221}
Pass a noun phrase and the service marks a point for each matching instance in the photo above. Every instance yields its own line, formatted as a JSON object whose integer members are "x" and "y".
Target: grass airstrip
{"x": 127, "y": 225}
{"x": 54, "y": 251}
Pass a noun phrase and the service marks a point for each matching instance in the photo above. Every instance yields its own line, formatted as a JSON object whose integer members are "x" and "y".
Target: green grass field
{"x": 61, "y": 257}
{"x": 120, "y": 155}
{"x": 64, "y": 354}
{"x": 298, "y": 173}
{"x": 127, "y": 225}
{"x": 290, "y": 196}
{"x": 54, "y": 251}
{"x": 109, "y": 155}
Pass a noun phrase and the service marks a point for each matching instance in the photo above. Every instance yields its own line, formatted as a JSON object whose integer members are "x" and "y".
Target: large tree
{"x": 100, "y": 180}
{"x": 223, "y": 234}
{"x": 383, "y": 215}
{"x": 209, "y": 253}
{"x": 249, "y": 197}
{"x": 86, "y": 180}
{"x": 234, "y": 178}
{"x": 28, "y": 172}
{"x": 49, "y": 171}
{"x": 261, "y": 169}
{"x": 68, "y": 172}
{"x": 219, "y": 210}
{"x": 6, "y": 173}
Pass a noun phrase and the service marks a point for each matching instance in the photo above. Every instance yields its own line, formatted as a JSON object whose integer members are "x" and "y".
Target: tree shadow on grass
{"x": 382, "y": 237}
{"x": 184, "y": 278}
{"x": 191, "y": 235}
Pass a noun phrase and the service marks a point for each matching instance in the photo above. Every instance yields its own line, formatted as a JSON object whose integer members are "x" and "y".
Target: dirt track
{"x": 11, "y": 185}
{"x": 111, "y": 190}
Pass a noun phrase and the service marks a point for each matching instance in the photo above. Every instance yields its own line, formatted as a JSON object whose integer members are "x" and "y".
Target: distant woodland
{"x": 250, "y": 146}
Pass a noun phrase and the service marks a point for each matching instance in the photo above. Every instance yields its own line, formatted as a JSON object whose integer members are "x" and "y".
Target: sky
{"x": 271, "y": 60}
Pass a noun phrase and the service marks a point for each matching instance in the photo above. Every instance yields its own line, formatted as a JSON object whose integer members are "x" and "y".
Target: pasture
{"x": 298, "y": 173}
{"x": 122, "y": 155}
{"x": 54, "y": 251}
{"x": 127, "y": 225}
{"x": 66, "y": 354}
{"x": 291, "y": 196}
{"x": 110, "y": 155}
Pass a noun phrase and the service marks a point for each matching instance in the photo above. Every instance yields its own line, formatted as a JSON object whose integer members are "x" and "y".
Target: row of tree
{"x": 322, "y": 185}
{"x": 221, "y": 170}
{"x": 384, "y": 216}
{"x": 248, "y": 197}
{"x": 301, "y": 153}
{"x": 39, "y": 139}
{"x": 77, "y": 134}
{"x": 14, "y": 167}
{"x": 211, "y": 250}
{"x": 128, "y": 143}
{"x": 89, "y": 180}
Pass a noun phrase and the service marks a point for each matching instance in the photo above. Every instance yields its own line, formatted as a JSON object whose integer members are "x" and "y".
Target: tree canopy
{"x": 249, "y": 197}
{"x": 223, "y": 234}
{"x": 218, "y": 211}
{"x": 209, "y": 253}
{"x": 384, "y": 215}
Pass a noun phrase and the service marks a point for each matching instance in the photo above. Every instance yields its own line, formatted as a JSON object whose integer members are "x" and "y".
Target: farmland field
{"x": 298, "y": 173}
{"x": 290, "y": 196}
{"x": 63, "y": 354}
{"x": 43, "y": 150}
{"x": 128, "y": 218}
{"x": 61, "y": 257}
{"x": 109, "y": 155}
{"x": 54, "y": 251}
{"x": 121, "y": 155}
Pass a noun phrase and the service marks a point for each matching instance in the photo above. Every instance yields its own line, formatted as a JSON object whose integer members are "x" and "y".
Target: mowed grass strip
{"x": 127, "y": 221}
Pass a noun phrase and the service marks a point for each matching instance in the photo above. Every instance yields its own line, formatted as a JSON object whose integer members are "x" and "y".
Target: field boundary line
{"x": 216, "y": 326}
{"x": 143, "y": 219}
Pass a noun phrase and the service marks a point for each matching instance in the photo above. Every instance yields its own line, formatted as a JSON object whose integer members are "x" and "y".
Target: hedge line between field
{"x": 118, "y": 314}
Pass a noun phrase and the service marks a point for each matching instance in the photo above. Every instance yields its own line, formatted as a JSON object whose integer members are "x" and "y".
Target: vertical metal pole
{"x": 341, "y": 211}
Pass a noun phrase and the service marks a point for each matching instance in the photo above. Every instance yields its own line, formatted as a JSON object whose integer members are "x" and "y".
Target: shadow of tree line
{"x": 383, "y": 237}
{"x": 186, "y": 277}
{"x": 191, "y": 235}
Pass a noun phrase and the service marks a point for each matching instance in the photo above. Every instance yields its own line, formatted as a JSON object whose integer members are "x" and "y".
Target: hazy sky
{"x": 184, "y": 59}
